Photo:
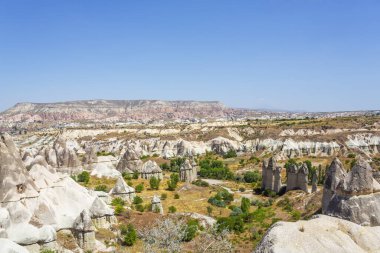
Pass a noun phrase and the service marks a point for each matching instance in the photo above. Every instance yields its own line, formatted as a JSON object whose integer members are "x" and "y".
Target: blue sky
{"x": 312, "y": 55}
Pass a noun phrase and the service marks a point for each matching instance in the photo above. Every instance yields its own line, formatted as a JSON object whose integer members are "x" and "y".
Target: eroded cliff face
{"x": 38, "y": 202}
{"x": 62, "y": 150}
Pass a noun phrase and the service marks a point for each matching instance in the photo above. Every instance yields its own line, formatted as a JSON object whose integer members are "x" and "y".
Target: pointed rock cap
{"x": 359, "y": 181}
{"x": 272, "y": 163}
{"x": 304, "y": 169}
{"x": 150, "y": 167}
{"x": 121, "y": 187}
{"x": 15, "y": 182}
{"x": 334, "y": 174}
{"x": 100, "y": 209}
{"x": 186, "y": 165}
{"x": 293, "y": 168}
{"x": 131, "y": 155}
{"x": 83, "y": 222}
{"x": 156, "y": 200}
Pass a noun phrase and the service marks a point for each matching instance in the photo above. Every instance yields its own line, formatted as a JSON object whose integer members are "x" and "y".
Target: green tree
{"x": 154, "y": 183}
{"x": 137, "y": 200}
{"x": 172, "y": 184}
{"x": 252, "y": 176}
{"x": 130, "y": 235}
{"x": 191, "y": 230}
{"x": 139, "y": 188}
{"x": 245, "y": 205}
{"x": 118, "y": 202}
{"x": 84, "y": 177}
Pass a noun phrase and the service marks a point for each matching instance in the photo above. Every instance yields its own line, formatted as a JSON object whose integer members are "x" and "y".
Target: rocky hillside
{"x": 114, "y": 110}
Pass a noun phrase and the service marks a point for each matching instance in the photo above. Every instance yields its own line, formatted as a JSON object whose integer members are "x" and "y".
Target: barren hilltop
{"x": 115, "y": 110}
{"x": 144, "y": 111}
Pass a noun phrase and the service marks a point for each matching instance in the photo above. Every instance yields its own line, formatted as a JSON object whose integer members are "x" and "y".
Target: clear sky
{"x": 313, "y": 55}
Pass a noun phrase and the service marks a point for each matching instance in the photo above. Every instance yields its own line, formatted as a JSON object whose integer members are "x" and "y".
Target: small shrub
{"x": 48, "y": 251}
{"x": 119, "y": 209}
{"x": 154, "y": 183}
{"x": 245, "y": 205}
{"x": 230, "y": 154}
{"x": 191, "y": 230}
{"x": 137, "y": 200}
{"x": 104, "y": 153}
{"x": 172, "y": 209}
{"x": 140, "y": 208}
{"x": 251, "y": 176}
{"x": 232, "y": 223}
{"x": 130, "y": 235}
{"x": 126, "y": 176}
{"x": 139, "y": 188}
{"x": 172, "y": 184}
{"x": 221, "y": 199}
{"x": 118, "y": 202}
{"x": 101, "y": 187}
{"x": 135, "y": 175}
{"x": 201, "y": 183}
{"x": 176, "y": 196}
{"x": 164, "y": 196}
{"x": 84, "y": 177}
{"x": 296, "y": 215}
{"x": 242, "y": 189}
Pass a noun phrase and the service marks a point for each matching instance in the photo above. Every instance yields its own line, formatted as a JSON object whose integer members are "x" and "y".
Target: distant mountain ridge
{"x": 115, "y": 110}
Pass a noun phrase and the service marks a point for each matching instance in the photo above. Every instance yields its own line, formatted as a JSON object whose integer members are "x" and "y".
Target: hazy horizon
{"x": 297, "y": 55}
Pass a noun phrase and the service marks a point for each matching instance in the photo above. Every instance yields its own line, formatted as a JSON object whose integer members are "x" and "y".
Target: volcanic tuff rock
{"x": 130, "y": 162}
{"x": 320, "y": 234}
{"x": 156, "y": 205}
{"x": 188, "y": 172}
{"x": 151, "y": 169}
{"x": 104, "y": 167}
{"x": 37, "y": 203}
{"x": 271, "y": 175}
{"x": 353, "y": 196}
{"x": 122, "y": 190}
{"x": 84, "y": 231}
{"x": 297, "y": 177}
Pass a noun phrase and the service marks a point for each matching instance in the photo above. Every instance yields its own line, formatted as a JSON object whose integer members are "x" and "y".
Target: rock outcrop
{"x": 320, "y": 234}
{"x": 123, "y": 190}
{"x": 352, "y": 196}
{"x": 130, "y": 162}
{"x": 104, "y": 168}
{"x": 271, "y": 175}
{"x": 156, "y": 205}
{"x": 84, "y": 231}
{"x": 314, "y": 181}
{"x": 151, "y": 169}
{"x": 37, "y": 203}
{"x": 188, "y": 172}
{"x": 297, "y": 177}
